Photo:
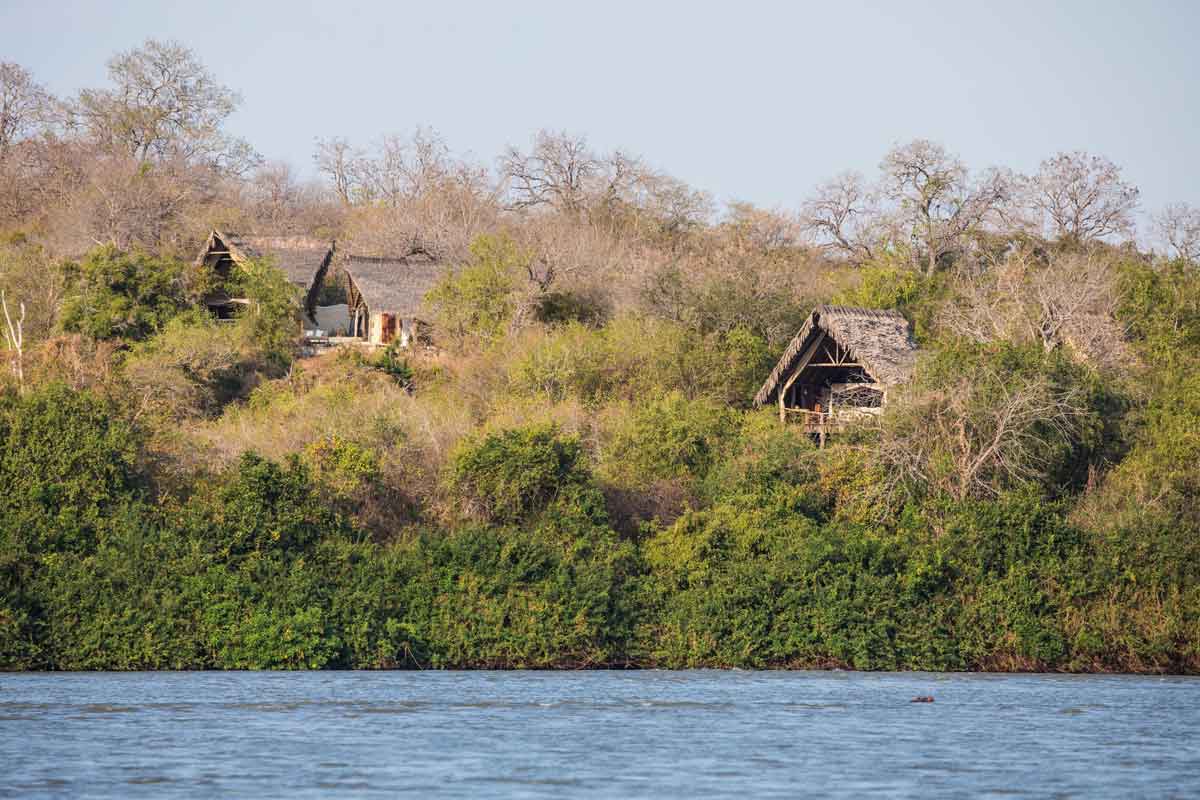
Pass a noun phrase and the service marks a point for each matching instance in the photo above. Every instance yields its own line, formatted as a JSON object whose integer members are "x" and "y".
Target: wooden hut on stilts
{"x": 839, "y": 368}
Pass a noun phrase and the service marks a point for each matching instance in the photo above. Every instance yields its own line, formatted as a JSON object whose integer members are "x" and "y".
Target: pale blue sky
{"x": 748, "y": 100}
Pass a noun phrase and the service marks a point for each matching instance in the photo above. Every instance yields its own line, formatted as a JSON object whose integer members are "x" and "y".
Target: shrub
{"x": 192, "y": 368}
{"x": 508, "y": 476}
{"x": 116, "y": 295}
{"x": 68, "y": 461}
{"x": 477, "y": 300}
{"x": 667, "y": 438}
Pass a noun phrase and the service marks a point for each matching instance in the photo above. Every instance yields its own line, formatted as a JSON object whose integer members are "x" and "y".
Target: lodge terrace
{"x": 840, "y": 367}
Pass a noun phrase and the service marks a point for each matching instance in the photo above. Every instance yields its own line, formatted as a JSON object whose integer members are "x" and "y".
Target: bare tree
{"x": 762, "y": 230}
{"x": 14, "y": 338}
{"x": 557, "y": 172}
{"x": 936, "y": 202}
{"x": 674, "y": 207}
{"x": 1179, "y": 226}
{"x": 24, "y": 105}
{"x": 979, "y": 433}
{"x": 843, "y": 214}
{"x": 342, "y": 163}
{"x": 1069, "y": 302}
{"x": 277, "y": 199}
{"x": 1082, "y": 197}
{"x": 406, "y": 167}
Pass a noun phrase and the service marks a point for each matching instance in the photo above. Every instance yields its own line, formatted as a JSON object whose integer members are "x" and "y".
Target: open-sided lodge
{"x": 304, "y": 260}
{"x": 840, "y": 367}
{"x": 385, "y": 295}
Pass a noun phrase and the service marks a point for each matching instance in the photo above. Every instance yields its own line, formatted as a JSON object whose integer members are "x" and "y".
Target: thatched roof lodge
{"x": 841, "y": 364}
{"x": 303, "y": 259}
{"x": 385, "y": 294}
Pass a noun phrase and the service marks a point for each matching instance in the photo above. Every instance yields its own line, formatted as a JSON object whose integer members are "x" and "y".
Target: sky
{"x": 748, "y": 100}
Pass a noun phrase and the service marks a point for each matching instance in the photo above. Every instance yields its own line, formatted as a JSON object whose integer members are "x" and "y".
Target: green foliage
{"x": 669, "y": 437}
{"x": 67, "y": 463}
{"x": 29, "y": 278}
{"x": 265, "y": 507}
{"x": 1161, "y": 309}
{"x": 631, "y": 357}
{"x": 272, "y": 322}
{"x": 978, "y": 420}
{"x": 705, "y": 534}
{"x": 512, "y": 474}
{"x": 193, "y": 367}
{"x": 886, "y": 284}
{"x": 393, "y": 363}
{"x": 477, "y": 300}
{"x": 558, "y": 308}
{"x": 117, "y": 295}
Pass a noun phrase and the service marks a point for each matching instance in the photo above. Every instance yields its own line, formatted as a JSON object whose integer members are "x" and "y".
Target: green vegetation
{"x": 611, "y": 508}
{"x": 575, "y": 475}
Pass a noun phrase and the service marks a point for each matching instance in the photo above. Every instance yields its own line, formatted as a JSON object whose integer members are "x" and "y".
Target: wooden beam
{"x": 802, "y": 363}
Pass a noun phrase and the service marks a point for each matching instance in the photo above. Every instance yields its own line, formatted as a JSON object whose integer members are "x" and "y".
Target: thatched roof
{"x": 394, "y": 285}
{"x": 300, "y": 257}
{"x": 879, "y": 340}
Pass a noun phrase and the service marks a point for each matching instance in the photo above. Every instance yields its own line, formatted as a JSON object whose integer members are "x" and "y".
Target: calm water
{"x": 596, "y": 734}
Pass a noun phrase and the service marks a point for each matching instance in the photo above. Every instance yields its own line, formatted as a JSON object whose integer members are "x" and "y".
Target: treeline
{"x": 574, "y": 476}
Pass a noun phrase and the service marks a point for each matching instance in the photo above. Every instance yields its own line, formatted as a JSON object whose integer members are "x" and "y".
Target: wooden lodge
{"x": 385, "y": 294}
{"x": 839, "y": 368}
{"x": 382, "y": 295}
{"x": 303, "y": 259}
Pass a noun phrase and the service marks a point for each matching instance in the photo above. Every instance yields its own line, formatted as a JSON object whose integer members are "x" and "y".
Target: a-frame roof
{"x": 394, "y": 285}
{"x": 301, "y": 258}
{"x": 879, "y": 340}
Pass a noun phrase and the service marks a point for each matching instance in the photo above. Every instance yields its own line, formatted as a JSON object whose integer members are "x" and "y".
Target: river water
{"x": 596, "y": 734}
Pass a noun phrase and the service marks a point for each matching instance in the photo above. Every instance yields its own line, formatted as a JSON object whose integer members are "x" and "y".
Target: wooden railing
{"x": 829, "y": 421}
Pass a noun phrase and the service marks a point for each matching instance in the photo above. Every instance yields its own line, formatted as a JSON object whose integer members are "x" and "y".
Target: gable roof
{"x": 879, "y": 340}
{"x": 301, "y": 258}
{"x": 393, "y": 285}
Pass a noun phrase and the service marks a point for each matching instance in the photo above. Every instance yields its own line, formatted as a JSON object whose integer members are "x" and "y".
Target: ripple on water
{"x": 567, "y": 735}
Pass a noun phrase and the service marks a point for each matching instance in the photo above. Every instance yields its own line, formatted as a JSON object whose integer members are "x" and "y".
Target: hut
{"x": 839, "y": 367}
{"x": 385, "y": 295}
{"x": 303, "y": 259}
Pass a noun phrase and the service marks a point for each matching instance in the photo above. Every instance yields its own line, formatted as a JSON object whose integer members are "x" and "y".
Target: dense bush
{"x": 508, "y": 476}
{"x": 119, "y": 295}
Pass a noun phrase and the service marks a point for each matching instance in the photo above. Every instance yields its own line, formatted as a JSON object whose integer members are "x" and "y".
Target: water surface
{"x": 596, "y": 734}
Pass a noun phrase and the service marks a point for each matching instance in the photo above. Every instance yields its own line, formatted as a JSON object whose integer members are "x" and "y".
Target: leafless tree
{"x": 938, "y": 205}
{"x": 1179, "y": 226}
{"x": 1082, "y": 197}
{"x": 762, "y": 230}
{"x": 562, "y": 172}
{"x": 342, "y": 163}
{"x": 24, "y": 106}
{"x": 278, "y": 201}
{"x": 843, "y": 214}
{"x": 979, "y": 433}
{"x": 123, "y": 204}
{"x": 164, "y": 105}
{"x": 674, "y": 207}
{"x": 556, "y": 172}
{"x": 1071, "y": 301}
{"x": 14, "y": 338}
{"x": 404, "y": 167}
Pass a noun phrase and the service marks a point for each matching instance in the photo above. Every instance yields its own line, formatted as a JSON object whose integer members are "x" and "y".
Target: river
{"x": 597, "y": 734}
